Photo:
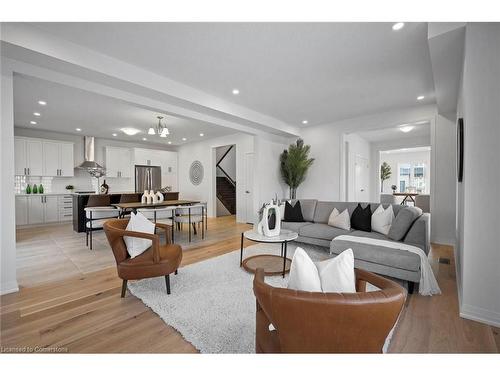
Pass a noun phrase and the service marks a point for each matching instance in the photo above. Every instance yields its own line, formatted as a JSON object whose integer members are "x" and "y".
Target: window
{"x": 404, "y": 171}
{"x": 412, "y": 178}
{"x": 418, "y": 171}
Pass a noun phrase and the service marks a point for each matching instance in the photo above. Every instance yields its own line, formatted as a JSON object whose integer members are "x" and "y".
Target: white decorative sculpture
{"x": 270, "y": 225}
{"x": 144, "y": 198}
{"x": 159, "y": 197}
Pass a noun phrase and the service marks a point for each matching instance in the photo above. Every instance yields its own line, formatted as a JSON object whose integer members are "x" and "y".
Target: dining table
{"x": 133, "y": 206}
{"x": 407, "y": 197}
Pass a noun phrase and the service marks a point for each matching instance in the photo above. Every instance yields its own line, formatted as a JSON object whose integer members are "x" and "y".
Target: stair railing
{"x": 228, "y": 178}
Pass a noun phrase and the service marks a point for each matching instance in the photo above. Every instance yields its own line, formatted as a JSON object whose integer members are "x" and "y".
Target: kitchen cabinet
{"x": 167, "y": 160}
{"x": 37, "y": 157}
{"x": 28, "y": 154}
{"x": 21, "y": 210}
{"x": 41, "y": 208}
{"x": 58, "y": 159}
{"x": 118, "y": 162}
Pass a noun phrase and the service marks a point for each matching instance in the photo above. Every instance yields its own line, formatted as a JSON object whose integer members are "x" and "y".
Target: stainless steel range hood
{"x": 88, "y": 151}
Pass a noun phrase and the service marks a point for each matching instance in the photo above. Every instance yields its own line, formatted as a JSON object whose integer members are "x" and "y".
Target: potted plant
{"x": 70, "y": 188}
{"x": 385, "y": 174}
{"x": 294, "y": 164}
{"x": 394, "y": 188}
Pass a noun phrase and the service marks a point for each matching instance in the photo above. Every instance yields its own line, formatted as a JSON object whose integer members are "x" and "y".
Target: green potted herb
{"x": 70, "y": 188}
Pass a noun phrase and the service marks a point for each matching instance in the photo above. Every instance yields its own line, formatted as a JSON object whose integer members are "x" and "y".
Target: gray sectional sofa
{"x": 386, "y": 261}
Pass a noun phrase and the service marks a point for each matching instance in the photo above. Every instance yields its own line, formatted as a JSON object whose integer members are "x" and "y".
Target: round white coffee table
{"x": 268, "y": 262}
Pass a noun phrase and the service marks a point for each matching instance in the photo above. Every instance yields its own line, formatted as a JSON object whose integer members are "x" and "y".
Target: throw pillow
{"x": 138, "y": 223}
{"x": 293, "y": 213}
{"x": 340, "y": 220}
{"x": 403, "y": 222}
{"x": 303, "y": 273}
{"x": 337, "y": 274}
{"x": 361, "y": 218}
{"x": 382, "y": 219}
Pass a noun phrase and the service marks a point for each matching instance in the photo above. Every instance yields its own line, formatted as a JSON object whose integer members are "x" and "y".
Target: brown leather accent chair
{"x": 312, "y": 322}
{"x": 158, "y": 260}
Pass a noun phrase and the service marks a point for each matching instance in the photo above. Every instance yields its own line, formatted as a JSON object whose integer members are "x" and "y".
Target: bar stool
{"x": 192, "y": 215}
{"x": 160, "y": 213}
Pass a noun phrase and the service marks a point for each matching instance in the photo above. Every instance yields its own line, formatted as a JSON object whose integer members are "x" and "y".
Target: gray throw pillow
{"x": 403, "y": 222}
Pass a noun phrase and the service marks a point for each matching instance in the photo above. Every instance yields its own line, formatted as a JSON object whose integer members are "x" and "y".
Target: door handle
{"x": 247, "y": 192}
{"x": 28, "y": 171}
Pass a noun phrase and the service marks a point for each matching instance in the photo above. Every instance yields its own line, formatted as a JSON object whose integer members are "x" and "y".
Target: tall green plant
{"x": 294, "y": 164}
{"x": 385, "y": 174}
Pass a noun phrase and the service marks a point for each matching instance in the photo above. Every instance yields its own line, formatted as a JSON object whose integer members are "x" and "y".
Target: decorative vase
{"x": 40, "y": 189}
{"x": 104, "y": 188}
{"x": 144, "y": 198}
{"x": 28, "y": 189}
{"x": 271, "y": 220}
{"x": 159, "y": 197}
{"x": 151, "y": 197}
{"x": 35, "y": 189}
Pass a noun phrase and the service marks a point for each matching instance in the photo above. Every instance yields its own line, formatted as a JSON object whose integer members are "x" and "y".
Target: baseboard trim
{"x": 480, "y": 315}
{"x": 10, "y": 287}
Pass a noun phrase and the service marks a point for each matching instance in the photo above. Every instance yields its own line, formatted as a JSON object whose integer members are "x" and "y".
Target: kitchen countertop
{"x": 29, "y": 195}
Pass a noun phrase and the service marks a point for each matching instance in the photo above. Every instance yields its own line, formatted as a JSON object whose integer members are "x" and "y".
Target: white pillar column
{"x": 7, "y": 197}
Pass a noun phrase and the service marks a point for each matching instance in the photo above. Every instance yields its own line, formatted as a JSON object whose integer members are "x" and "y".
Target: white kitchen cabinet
{"x": 34, "y": 152}
{"x": 167, "y": 160}
{"x": 21, "y": 210}
{"x": 36, "y": 209}
{"x": 118, "y": 162}
{"x": 20, "y": 163}
{"x": 50, "y": 209}
{"x": 58, "y": 159}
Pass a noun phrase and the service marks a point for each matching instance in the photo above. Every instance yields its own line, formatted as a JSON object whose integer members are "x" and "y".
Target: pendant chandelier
{"x": 159, "y": 129}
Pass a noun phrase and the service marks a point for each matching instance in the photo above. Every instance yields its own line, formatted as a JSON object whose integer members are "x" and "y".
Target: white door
{"x": 21, "y": 210}
{"x": 35, "y": 209}
{"x": 20, "y": 157}
{"x": 51, "y": 209}
{"x": 50, "y": 158}
{"x": 361, "y": 176}
{"x": 66, "y": 160}
{"x": 34, "y": 157}
{"x": 249, "y": 171}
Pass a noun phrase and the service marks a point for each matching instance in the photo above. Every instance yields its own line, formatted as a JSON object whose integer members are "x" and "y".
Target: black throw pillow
{"x": 293, "y": 213}
{"x": 361, "y": 218}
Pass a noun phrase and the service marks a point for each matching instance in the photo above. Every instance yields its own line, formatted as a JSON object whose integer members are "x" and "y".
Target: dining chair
{"x": 97, "y": 211}
{"x": 159, "y": 214}
{"x": 192, "y": 215}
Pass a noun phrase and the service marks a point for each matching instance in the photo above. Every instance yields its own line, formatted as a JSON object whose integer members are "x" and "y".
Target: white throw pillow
{"x": 303, "y": 273}
{"x": 138, "y": 223}
{"x": 340, "y": 220}
{"x": 337, "y": 274}
{"x": 382, "y": 219}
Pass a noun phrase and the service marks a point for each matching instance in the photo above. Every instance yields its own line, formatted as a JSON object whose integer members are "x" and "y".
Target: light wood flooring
{"x": 69, "y": 299}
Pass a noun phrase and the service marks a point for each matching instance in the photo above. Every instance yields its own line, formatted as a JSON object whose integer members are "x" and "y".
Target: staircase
{"x": 226, "y": 187}
{"x": 226, "y": 193}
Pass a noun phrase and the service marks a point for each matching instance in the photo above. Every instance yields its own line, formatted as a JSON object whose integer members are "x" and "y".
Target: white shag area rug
{"x": 212, "y": 303}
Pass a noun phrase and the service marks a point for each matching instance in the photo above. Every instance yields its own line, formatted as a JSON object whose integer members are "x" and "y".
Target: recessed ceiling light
{"x": 33, "y": 122}
{"x": 78, "y": 129}
{"x": 144, "y": 139}
{"x": 114, "y": 134}
{"x": 169, "y": 142}
{"x": 305, "y": 122}
{"x": 184, "y": 139}
{"x": 42, "y": 102}
{"x": 421, "y": 97}
{"x": 130, "y": 131}
{"x": 201, "y": 134}
{"x": 236, "y": 91}
{"x": 398, "y": 26}
{"x": 37, "y": 114}
{"x": 406, "y": 128}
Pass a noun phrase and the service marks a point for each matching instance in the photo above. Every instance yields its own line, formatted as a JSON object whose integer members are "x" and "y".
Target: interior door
{"x": 50, "y": 158}
{"x": 361, "y": 175}
{"x": 249, "y": 171}
{"x": 66, "y": 159}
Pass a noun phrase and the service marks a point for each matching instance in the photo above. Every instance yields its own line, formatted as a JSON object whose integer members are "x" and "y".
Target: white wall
{"x": 479, "y": 247}
{"x": 410, "y": 157}
{"x": 7, "y": 218}
{"x": 82, "y": 180}
{"x": 205, "y": 152}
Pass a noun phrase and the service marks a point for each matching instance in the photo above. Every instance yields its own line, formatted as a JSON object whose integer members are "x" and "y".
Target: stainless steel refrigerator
{"x": 147, "y": 178}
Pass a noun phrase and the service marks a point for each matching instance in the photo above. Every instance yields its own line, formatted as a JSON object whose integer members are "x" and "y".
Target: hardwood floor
{"x": 78, "y": 310}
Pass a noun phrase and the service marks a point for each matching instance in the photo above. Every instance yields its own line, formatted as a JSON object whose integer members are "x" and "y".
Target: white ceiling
{"x": 321, "y": 72}
{"x": 69, "y": 108}
{"x": 389, "y": 134}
